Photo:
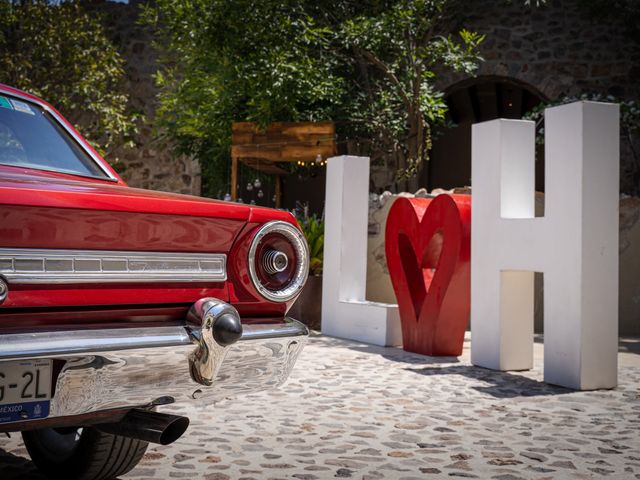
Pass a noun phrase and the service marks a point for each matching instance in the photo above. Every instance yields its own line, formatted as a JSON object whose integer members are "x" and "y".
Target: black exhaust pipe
{"x": 149, "y": 426}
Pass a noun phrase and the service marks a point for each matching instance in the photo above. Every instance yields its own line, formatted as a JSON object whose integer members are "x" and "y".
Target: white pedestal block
{"x": 345, "y": 312}
{"x": 575, "y": 245}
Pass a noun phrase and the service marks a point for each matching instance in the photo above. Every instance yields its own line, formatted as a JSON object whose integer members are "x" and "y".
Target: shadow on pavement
{"x": 629, "y": 345}
{"x": 395, "y": 354}
{"x": 13, "y": 467}
{"x": 502, "y": 384}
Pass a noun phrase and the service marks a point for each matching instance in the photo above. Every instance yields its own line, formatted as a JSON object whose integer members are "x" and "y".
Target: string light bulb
{"x": 257, "y": 183}
{"x": 260, "y": 193}
{"x": 249, "y": 187}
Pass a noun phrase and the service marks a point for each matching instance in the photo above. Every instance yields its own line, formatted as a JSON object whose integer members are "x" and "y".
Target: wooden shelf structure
{"x": 264, "y": 149}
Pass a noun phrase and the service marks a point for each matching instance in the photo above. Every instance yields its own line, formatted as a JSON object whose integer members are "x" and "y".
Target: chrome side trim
{"x": 82, "y": 266}
{"x": 130, "y": 368}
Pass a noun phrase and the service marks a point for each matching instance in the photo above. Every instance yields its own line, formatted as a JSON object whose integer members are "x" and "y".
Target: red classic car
{"x": 115, "y": 301}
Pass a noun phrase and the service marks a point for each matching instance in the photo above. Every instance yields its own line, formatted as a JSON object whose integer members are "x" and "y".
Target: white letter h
{"x": 575, "y": 245}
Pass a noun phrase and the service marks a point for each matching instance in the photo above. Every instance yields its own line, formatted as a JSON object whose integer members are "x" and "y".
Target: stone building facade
{"x": 556, "y": 49}
{"x": 533, "y": 55}
{"x": 550, "y": 51}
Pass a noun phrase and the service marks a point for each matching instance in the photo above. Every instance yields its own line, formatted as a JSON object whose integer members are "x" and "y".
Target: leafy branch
{"x": 60, "y": 52}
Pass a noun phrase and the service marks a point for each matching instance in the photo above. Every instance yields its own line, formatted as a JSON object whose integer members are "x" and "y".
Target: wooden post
{"x": 234, "y": 178}
{"x": 278, "y": 191}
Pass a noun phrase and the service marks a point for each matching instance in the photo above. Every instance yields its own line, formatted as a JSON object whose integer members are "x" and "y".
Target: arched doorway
{"x": 472, "y": 101}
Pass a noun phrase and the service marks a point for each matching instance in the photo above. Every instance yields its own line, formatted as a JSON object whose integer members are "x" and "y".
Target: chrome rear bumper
{"x": 115, "y": 369}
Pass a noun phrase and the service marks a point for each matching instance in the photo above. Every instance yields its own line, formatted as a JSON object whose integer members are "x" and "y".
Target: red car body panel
{"x": 52, "y": 213}
{"x": 19, "y": 320}
{"x": 35, "y": 189}
{"x": 48, "y": 210}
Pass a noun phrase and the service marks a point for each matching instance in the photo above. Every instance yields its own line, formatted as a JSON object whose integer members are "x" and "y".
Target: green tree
{"x": 59, "y": 52}
{"x": 370, "y": 66}
{"x": 238, "y": 60}
{"x": 397, "y": 49}
{"x": 629, "y": 132}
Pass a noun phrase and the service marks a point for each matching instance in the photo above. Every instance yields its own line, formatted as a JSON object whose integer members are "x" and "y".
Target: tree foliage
{"x": 629, "y": 131}
{"x": 370, "y": 66}
{"x": 59, "y": 52}
{"x": 238, "y": 60}
{"x": 398, "y": 50}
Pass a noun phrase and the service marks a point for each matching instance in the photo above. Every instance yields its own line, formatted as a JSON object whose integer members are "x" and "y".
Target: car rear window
{"x": 30, "y": 137}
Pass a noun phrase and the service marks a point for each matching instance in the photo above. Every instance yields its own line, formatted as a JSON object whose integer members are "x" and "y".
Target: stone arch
{"x": 497, "y": 79}
{"x": 470, "y": 101}
{"x": 547, "y": 82}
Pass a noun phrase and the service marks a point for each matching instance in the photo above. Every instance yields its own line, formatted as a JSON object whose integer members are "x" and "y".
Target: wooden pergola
{"x": 264, "y": 149}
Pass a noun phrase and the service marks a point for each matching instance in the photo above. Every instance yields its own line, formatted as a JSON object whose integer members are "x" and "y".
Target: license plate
{"x": 25, "y": 390}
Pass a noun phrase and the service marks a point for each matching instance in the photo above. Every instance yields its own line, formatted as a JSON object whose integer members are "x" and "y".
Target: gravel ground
{"x": 355, "y": 411}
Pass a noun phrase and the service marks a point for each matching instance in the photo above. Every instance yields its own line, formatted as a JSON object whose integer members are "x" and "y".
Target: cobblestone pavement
{"x": 354, "y": 411}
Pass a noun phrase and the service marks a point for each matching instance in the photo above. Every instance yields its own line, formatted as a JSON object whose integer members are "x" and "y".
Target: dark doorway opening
{"x": 472, "y": 101}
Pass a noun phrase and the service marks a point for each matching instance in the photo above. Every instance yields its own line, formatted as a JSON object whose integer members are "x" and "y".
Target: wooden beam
{"x": 264, "y": 166}
{"x": 279, "y": 138}
{"x": 283, "y": 141}
{"x": 305, "y": 152}
{"x": 264, "y": 148}
{"x": 287, "y": 128}
{"x": 234, "y": 178}
{"x": 278, "y": 191}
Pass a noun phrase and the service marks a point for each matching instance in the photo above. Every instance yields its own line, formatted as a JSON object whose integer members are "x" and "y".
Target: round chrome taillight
{"x": 278, "y": 261}
{"x": 4, "y": 290}
{"x": 274, "y": 261}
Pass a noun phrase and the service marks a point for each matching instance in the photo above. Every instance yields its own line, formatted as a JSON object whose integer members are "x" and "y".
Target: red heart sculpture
{"x": 428, "y": 248}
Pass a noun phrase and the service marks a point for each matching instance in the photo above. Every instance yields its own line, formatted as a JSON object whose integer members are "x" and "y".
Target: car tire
{"x": 82, "y": 453}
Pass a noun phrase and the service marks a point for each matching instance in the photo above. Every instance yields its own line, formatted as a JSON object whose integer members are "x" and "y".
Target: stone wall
{"x": 629, "y": 286}
{"x": 553, "y": 51}
{"x": 557, "y": 48}
{"x": 151, "y": 164}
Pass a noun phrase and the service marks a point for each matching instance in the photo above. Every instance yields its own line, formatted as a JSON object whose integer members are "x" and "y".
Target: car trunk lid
{"x": 41, "y": 212}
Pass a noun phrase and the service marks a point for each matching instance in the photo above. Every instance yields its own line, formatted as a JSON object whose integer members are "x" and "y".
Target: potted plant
{"x": 308, "y": 307}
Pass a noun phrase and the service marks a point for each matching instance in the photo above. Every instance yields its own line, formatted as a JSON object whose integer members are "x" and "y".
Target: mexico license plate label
{"x": 25, "y": 390}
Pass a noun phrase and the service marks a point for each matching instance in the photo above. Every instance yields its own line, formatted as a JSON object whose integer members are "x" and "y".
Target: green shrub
{"x": 313, "y": 229}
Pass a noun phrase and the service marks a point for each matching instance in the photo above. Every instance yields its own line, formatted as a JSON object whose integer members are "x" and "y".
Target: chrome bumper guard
{"x": 112, "y": 369}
